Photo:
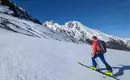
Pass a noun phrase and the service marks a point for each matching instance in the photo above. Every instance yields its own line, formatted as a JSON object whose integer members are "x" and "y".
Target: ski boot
{"x": 93, "y": 68}
{"x": 109, "y": 73}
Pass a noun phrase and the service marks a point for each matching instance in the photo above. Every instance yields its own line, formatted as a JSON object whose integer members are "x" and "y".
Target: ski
{"x": 99, "y": 71}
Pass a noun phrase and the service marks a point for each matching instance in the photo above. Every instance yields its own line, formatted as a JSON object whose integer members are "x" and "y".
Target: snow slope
{"x": 26, "y": 25}
{"x": 28, "y": 58}
{"x": 32, "y": 29}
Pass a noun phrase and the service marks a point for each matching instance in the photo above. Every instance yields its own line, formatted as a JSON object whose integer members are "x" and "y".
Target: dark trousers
{"x": 103, "y": 60}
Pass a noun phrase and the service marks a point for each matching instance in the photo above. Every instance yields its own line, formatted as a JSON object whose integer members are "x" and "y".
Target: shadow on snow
{"x": 120, "y": 70}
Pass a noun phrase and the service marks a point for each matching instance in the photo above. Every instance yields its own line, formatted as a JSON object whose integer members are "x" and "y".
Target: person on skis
{"x": 98, "y": 53}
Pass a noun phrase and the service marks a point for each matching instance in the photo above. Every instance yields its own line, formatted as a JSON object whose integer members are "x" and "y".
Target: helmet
{"x": 94, "y": 37}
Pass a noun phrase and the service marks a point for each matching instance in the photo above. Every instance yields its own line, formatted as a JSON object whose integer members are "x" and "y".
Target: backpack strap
{"x": 102, "y": 46}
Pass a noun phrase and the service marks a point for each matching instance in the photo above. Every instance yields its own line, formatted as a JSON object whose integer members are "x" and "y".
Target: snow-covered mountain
{"x": 10, "y": 8}
{"x": 127, "y": 39}
{"x": 18, "y": 20}
{"x": 82, "y": 33}
{"x": 23, "y": 23}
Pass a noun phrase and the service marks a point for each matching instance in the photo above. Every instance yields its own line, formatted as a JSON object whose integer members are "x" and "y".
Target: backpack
{"x": 102, "y": 45}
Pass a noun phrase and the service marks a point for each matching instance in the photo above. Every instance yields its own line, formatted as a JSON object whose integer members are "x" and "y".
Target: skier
{"x": 97, "y": 53}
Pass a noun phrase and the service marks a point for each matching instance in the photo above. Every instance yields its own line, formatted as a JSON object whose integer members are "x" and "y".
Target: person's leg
{"x": 106, "y": 64}
{"x": 94, "y": 62}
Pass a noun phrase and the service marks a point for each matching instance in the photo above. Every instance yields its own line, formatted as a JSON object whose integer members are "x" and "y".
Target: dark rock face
{"x": 18, "y": 12}
{"x": 113, "y": 44}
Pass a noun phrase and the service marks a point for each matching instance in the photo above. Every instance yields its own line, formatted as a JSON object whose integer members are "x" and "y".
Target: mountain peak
{"x": 17, "y": 11}
{"x": 75, "y": 24}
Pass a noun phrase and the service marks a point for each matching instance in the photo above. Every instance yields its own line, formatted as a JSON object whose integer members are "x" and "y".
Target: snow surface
{"x": 5, "y": 9}
{"x": 30, "y": 28}
{"x": 28, "y": 58}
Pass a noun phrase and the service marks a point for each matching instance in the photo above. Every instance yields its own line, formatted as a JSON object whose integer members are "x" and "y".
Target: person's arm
{"x": 94, "y": 49}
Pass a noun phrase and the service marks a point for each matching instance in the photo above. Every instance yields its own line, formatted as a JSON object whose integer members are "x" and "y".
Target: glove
{"x": 93, "y": 55}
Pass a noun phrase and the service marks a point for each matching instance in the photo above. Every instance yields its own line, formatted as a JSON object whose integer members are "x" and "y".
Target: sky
{"x": 109, "y": 16}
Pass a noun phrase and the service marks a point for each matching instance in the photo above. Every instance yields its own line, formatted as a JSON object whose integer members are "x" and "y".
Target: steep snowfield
{"x": 5, "y": 9}
{"x": 26, "y": 25}
{"x": 28, "y": 58}
{"x": 30, "y": 28}
{"x": 10, "y": 8}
